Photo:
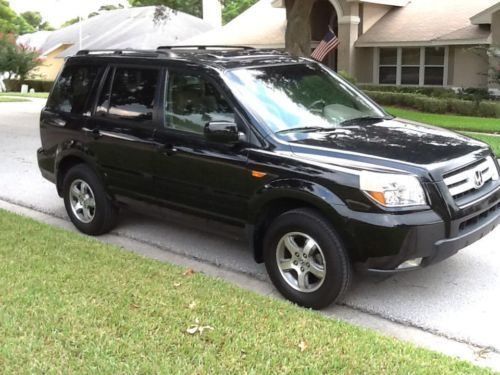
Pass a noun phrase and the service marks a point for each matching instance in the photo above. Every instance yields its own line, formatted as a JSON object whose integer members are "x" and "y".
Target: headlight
{"x": 392, "y": 190}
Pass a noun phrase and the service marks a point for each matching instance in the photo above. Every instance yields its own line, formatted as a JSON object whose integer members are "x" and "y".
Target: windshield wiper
{"x": 305, "y": 129}
{"x": 364, "y": 118}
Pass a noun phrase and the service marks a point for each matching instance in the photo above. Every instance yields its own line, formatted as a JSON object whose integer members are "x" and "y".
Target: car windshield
{"x": 301, "y": 98}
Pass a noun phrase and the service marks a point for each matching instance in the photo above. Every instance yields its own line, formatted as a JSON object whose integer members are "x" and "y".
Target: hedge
{"x": 472, "y": 94}
{"x": 435, "y": 92}
{"x": 437, "y": 105}
{"x": 14, "y": 85}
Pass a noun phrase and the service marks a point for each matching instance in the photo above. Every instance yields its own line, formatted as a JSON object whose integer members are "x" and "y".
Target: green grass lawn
{"x": 12, "y": 100}
{"x": 41, "y": 95}
{"x": 463, "y": 123}
{"x": 69, "y": 304}
{"x": 493, "y": 141}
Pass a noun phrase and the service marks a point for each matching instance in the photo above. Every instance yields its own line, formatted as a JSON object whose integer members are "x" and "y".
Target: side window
{"x": 72, "y": 89}
{"x": 192, "y": 101}
{"x": 103, "y": 101}
{"x": 132, "y": 96}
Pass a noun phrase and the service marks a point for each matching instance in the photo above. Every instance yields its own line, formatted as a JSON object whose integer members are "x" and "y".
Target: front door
{"x": 191, "y": 171}
{"x": 121, "y": 129}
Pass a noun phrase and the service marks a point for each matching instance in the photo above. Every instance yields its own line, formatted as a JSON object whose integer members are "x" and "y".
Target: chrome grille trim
{"x": 464, "y": 181}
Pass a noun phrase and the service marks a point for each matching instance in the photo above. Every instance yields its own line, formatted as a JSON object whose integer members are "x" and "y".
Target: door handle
{"x": 167, "y": 149}
{"x": 94, "y": 133}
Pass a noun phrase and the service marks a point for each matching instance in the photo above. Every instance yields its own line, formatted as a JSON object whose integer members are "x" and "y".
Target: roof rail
{"x": 121, "y": 52}
{"x": 203, "y": 48}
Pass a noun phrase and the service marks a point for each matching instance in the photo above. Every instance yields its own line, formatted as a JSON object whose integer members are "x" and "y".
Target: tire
{"x": 96, "y": 214}
{"x": 324, "y": 264}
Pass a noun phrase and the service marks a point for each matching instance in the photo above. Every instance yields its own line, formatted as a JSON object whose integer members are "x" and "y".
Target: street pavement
{"x": 458, "y": 298}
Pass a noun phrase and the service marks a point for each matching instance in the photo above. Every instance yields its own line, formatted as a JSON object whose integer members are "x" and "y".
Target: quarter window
{"x": 71, "y": 91}
{"x": 192, "y": 102}
{"x": 132, "y": 95}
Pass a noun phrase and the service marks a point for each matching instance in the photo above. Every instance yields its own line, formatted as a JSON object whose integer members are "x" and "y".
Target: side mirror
{"x": 222, "y": 132}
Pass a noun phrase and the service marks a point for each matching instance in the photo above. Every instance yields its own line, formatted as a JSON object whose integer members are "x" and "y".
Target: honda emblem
{"x": 478, "y": 179}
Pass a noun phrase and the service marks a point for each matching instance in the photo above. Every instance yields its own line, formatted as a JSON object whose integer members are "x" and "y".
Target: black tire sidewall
{"x": 337, "y": 263}
{"x": 85, "y": 173}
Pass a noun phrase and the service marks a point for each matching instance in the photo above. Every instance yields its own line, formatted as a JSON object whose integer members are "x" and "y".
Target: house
{"x": 133, "y": 28}
{"x": 392, "y": 42}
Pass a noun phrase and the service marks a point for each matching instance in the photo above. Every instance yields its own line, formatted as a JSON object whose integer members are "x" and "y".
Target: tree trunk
{"x": 298, "y": 27}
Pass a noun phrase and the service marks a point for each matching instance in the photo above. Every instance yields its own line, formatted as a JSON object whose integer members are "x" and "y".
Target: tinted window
{"x": 192, "y": 101}
{"x": 133, "y": 93}
{"x": 103, "y": 101}
{"x": 71, "y": 92}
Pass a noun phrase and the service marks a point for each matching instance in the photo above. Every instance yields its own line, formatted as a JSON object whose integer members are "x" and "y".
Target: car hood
{"x": 389, "y": 139}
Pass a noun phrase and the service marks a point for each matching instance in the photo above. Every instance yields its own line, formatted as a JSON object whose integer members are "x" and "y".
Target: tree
{"x": 298, "y": 28}
{"x": 36, "y": 21}
{"x": 18, "y": 60}
{"x": 231, "y": 8}
{"x": 11, "y": 22}
{"x": 105, "y": 8}
{"x": 70, "y": 22}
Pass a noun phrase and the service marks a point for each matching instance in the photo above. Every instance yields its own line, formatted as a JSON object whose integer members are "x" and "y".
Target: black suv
{"x": 321, "y": 177}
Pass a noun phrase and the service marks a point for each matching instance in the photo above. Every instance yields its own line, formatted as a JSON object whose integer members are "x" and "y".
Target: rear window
{"x": 132, "y": 95}
{"x": 72, "y": 89}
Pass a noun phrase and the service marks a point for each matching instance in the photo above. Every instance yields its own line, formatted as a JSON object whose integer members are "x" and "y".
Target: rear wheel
{"x": 86, "y": 201}
{"x": 306, "y": 260}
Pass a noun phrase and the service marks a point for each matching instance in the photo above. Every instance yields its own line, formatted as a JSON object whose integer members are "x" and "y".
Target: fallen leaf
{"x": 192, "y": 305}
{"x": 176, "y": 285}
{"x": 197, "y": 328}
{"x": 482, "y": 353}
{"x": 303, "y": 346}
{"x": 188, "y": 272}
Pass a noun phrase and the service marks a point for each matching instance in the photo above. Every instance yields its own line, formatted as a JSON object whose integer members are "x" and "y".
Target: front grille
{"x": 478, "y": 219}
{"x": 472, "y": 178}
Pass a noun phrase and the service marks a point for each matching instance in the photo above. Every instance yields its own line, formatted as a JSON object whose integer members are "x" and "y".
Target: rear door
{"x": 190, "y": 170}
{"x": 121, "y": 129}
{"x": 69, "y": 105}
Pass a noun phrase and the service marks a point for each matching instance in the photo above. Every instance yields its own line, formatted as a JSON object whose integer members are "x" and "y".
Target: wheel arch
{"x": 67, "y": 161}
{"x": 278, "y": 198}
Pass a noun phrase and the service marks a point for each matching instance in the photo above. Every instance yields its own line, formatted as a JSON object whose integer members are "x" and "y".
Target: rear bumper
{"x": 45, "y": 164}
{"x": 433, "y": 241}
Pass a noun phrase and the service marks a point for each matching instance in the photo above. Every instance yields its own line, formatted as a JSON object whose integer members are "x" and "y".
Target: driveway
{"x": 458, "y": 298}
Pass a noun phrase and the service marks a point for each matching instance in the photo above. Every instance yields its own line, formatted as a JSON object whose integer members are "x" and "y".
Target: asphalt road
{"x": 458, "y": 298}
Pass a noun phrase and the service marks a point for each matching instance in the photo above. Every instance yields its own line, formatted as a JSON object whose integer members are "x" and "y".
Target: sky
{"x": 59, "y": 11}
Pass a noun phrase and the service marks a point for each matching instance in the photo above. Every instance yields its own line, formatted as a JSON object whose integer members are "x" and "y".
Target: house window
{"x": 412, "y": 66}
{"x": 388, "y": 65}
{"x": 434, "y": 66}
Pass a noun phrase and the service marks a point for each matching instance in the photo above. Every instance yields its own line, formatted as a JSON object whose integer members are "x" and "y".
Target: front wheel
{"x": 306, "y": 260}
{"x": 86, "y": 201}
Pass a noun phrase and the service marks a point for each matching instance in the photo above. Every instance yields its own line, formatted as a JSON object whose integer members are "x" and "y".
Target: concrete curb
{"x": 479, "y": 356}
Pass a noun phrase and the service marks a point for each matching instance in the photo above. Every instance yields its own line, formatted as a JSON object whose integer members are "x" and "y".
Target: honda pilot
{"x": 322, "y": 178}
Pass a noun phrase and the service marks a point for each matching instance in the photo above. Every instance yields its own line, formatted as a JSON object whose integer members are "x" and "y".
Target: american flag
{"x": 328, "y": 44}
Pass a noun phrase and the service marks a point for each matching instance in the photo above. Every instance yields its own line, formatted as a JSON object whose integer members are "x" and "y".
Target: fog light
{"x": 410, "y": 264}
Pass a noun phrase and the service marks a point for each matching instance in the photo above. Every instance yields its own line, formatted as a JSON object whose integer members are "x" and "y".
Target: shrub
{"x": 462, "y": 107}
{"x": 435, "y": 92}
{"x": 474, "y": 94}
{"x": 347, "y": 76}
{"x": 39, "y": 85}
{"x": 489, "y": 109}
{"x": 437, "y": 105}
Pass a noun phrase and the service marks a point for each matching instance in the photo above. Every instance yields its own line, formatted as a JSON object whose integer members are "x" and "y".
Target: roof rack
{"x": 203, "y": 48}
{"x": 121, "y": 52}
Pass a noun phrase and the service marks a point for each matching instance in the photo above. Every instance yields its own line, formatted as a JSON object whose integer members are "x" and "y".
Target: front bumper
{"x": 427, "y": 237}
